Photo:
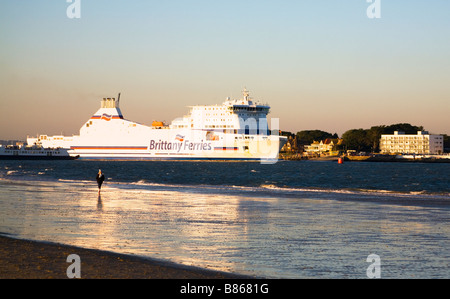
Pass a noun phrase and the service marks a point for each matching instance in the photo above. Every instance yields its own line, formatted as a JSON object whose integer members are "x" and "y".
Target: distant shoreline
{"x": 371, "y": 158}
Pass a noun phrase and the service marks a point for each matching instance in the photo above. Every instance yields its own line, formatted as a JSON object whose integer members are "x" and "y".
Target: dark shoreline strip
{"x": 25, "y": 259}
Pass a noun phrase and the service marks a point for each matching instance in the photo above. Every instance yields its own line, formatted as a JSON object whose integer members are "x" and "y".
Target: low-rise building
{"x": 326, "y": 146}
{"x": 422, "y": 143}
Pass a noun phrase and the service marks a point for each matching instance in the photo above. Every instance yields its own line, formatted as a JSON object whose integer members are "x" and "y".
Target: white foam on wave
{"x": 76, "y": 181}
{"x": 274, "y": 190}
{"x": 267, "y": 189}
{"x": 374, "y": 192}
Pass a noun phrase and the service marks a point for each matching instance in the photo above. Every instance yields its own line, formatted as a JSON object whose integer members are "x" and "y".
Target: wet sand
{"x": 306, "y": 235}
{"x": 23, "y": 259}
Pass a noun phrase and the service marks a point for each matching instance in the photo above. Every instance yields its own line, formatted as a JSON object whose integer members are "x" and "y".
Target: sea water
{"x": 292, "y": 219}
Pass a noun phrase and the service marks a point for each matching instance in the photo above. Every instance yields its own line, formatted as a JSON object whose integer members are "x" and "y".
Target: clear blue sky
{"x": 320, "y": 64}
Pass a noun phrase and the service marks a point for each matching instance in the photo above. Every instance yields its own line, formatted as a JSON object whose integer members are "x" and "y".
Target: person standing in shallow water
{"x": 100, "y": 179}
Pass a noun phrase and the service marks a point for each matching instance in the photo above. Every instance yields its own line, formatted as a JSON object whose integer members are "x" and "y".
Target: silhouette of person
{"x": 100, "y": 179}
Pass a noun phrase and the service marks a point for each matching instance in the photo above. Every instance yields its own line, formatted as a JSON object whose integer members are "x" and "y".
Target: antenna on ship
{"x": 246, "y": 93}
{"x": 118, "y": 99}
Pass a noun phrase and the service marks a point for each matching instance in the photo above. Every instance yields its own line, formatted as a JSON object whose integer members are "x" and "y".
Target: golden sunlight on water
{"x": 263, "y": 236}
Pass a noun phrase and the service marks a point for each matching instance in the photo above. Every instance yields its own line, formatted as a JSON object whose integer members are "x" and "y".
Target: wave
{"x": 263, "y": 190}
{"x": 274, "y": 190}
{"x": 356, "y": 191}
{"x": 77, "y": 181}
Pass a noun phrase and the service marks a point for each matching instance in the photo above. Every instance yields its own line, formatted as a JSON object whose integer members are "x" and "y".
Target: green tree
{"x": 403, "y": 127}
{"x": 373, "y": 137}
{"x": 309, "y": 136}
{"x": 357, "y": 139}
{"x": 446, "y": 143}
{"x": 286, "y": 134}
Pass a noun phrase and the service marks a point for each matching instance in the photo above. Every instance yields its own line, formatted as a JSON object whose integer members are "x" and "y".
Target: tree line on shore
{"x": 361, "y": 140}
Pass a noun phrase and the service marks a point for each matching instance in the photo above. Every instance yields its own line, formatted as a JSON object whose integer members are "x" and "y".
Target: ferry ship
{"x": 19, "y": 152}
{"x": 235, "y": 130}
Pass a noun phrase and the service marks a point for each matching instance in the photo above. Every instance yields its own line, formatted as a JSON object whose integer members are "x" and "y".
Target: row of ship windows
{"x": 233, "y": 108}
{"x": 219, "y": 126}
{"x": 222, "y": 119}
{"x": 217, "y": 114}
{"x": 229, "y": 113}
{"x": 248, "y": 109}
{"x": 209, "y": 108}
{"x": 207, "y": 126}
{"x": 226, "y": 119}
{"x": 29, "y": 152}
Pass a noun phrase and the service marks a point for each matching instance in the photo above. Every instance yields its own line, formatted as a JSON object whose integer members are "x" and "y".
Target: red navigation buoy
{"x": 340, "y": 160}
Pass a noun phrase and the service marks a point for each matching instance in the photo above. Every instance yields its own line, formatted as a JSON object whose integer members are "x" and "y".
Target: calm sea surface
{"x": 292, "y": 219}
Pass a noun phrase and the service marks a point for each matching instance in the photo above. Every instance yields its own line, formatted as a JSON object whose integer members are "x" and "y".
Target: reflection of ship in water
{"x": 235, "y": 130}
{"x": 21, "y": 152}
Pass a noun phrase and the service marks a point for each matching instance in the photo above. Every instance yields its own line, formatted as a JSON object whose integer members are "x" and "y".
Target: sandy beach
{"x": 23, "y": 259}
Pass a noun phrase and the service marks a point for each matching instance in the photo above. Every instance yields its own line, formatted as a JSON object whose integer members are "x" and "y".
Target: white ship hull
{"x": 34, "y": 153}
{"x": 166, "y": 148}
{"x": 233, "y": 131}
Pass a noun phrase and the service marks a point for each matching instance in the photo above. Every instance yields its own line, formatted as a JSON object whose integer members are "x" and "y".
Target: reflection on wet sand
{"x": 262, "y": 236}
{"x": 99, "y": 203}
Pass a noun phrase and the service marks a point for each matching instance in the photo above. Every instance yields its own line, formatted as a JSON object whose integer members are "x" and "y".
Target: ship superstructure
{"x": 237, "y": 129}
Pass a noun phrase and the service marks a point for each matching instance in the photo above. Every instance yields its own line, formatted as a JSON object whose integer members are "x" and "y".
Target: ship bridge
{"x": 246, "y": 105}
{"x": 233, "y": 116}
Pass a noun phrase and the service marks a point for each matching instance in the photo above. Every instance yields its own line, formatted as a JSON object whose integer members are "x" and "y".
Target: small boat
{"x": 23, "y": 152}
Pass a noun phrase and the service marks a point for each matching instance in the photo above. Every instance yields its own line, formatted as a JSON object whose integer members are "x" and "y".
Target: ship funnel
{"x": 109, "y": 103}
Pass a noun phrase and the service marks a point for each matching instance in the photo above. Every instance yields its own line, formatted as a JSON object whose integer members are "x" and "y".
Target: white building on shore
{"x": 422, "y": 144}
